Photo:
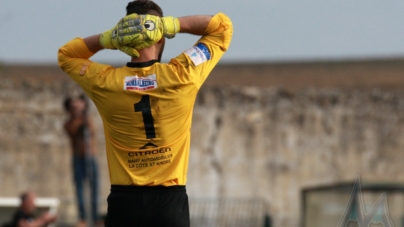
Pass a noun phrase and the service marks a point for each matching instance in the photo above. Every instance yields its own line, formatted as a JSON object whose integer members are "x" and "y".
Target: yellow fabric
{"x": 134, "y": 159}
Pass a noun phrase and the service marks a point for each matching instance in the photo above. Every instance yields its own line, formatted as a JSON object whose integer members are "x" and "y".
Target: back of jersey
{"x": 147, "y": 112}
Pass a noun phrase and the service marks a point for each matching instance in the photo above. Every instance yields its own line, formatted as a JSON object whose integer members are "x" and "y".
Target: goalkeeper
{"x": 146, "y": 107}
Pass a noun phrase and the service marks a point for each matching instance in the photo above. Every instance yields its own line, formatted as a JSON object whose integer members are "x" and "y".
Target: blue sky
{"x": 264, "y": 30}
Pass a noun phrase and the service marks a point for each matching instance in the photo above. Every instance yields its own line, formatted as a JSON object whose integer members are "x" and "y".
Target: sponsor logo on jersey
{"x": 198, "y": 54}
{"x": 140, "y": 83}
{"x": 148, "y": 145}
{"x": 152, "y": 151}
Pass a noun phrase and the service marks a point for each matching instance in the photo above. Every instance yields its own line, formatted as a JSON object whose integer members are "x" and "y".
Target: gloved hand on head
{"x": 135, "y": 32}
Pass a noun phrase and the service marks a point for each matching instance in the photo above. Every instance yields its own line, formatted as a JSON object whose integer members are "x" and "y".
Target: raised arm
{"x": 215, "y": 36}
{"x": 195, "y": 25}
{"x": 218, "y": 27}
{"x": 93, "y": 43}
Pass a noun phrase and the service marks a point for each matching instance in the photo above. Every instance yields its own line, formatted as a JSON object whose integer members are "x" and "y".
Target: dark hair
{"x": 143, "y": 7}
{"x": 67, "y": 101}
{"x": 24, "y": 196}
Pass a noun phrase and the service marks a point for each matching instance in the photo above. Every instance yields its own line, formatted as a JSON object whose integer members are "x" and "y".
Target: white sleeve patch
{"x": 196, "y": 55}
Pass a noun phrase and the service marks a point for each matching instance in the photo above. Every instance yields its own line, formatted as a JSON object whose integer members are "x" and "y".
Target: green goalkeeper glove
{"x": 151, "y": 31}
{"x": 133, "y": 32}
{"x": 171, "y": 26}
{"x": 155, "y": 28}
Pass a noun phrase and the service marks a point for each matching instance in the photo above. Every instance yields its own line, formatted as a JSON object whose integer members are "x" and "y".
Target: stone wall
{"x": 267, "y": 141}
{"x": 271, "y": 144}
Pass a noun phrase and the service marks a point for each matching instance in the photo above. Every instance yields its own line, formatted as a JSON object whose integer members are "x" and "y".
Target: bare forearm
{"x": 195, "y": 25}
{"x": 93, "y": 43}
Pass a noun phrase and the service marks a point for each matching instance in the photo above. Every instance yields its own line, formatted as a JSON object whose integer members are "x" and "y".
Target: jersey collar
{"x": 141, "y": 64}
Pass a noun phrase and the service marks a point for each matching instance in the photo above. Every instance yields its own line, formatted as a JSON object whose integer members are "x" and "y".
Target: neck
{"x": 146, "y": 54}
{"x": 77, "y": 115}
{"x": 143, "y": 58}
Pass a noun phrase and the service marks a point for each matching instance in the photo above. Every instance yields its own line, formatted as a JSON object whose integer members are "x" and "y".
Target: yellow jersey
{"x": 146, "y": 108}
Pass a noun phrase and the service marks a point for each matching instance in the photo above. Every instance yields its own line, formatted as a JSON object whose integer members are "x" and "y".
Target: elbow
{"x": 225, "y": 21}
{"x": 227, "y": 33}
{"x": 226, "y": 26}
{"x": 62, "y": 58}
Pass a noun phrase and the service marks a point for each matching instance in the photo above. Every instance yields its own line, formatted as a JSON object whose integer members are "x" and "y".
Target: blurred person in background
{"x": 80, "y": 130}
{"x": 25, "y": 215}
